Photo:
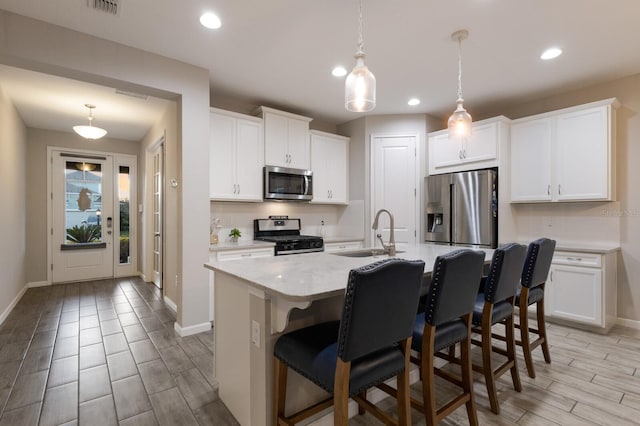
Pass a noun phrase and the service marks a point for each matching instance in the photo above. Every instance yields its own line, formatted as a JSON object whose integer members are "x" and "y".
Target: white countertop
{"x": 342, "y": 239}
{"x": 313, "y": 276}
{"x": 587, "y": 248}
{"x": 240, "y": 245}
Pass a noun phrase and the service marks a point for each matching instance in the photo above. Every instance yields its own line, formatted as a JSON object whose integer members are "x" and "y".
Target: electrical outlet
{"x": 255, "y": 333}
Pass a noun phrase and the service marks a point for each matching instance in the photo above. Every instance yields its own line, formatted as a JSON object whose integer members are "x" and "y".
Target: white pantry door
{"x": 394, "y": 186}
{"x": 82, "y": 217}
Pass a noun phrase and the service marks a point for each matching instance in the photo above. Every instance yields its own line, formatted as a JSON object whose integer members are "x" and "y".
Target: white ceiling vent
{"x": 132, "y": 94}
{"x": 111, "y": 7}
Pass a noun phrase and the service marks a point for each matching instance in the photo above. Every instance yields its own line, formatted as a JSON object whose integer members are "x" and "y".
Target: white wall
{"x": 39, "y": 46}
{"x": 13, "y": 190}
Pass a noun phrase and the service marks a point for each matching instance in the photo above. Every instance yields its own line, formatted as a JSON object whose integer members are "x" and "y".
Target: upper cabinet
{"x": 565, "y": 155}
{"x": 479, "y": 152}
{"x": 236, "y": 153}
{"x": 329, "y": 163}
{"x": 286, "y": 138}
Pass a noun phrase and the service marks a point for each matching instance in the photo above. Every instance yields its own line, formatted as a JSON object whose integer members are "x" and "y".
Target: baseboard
{"x": 13, "y": 304}
{"x": 143, "y": 276}
{"x": 628, "y": 323}
{"x": 38, "y": 284}
{"x": 192, "y": 329}
{"x": 171, "y": 304}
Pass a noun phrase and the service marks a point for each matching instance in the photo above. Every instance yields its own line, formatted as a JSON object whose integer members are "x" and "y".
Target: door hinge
{"x": 51, "y": 231}
{"x": 52, "y": 195}
{"x": 52, "y": 266}
{"x": 415, "y": 192}
{"x": 415, "y": 233}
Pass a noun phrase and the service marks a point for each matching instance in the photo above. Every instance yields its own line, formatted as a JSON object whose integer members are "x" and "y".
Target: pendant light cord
{"x": 459, "y": 69}
{"x": 360, "y": 39}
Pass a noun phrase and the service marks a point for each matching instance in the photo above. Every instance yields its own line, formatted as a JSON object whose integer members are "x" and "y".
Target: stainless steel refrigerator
{"x": 462, "y": 208}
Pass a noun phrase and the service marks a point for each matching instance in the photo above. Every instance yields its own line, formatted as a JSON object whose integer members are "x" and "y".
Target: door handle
{"x": 109, "y": 225}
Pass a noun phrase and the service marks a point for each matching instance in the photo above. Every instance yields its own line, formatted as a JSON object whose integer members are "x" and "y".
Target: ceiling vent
{"x": 132, "y": 94}
{"x": 111, "y": 7}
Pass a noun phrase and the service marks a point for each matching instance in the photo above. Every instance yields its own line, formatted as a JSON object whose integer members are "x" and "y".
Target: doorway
{"x": 394, "y": 186}
{"x": 92, "y": 231}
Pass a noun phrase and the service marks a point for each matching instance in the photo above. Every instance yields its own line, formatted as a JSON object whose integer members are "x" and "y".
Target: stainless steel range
{"x": 285, "y": 233}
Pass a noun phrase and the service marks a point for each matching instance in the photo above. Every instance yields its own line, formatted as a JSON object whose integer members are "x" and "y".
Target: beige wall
{"x": 13, "y": 190}
{"x": 37, "y": 142}
{"x": 594, "y": 222}
{"x": 38, "y": 46}
{"x": 166, "y": 126}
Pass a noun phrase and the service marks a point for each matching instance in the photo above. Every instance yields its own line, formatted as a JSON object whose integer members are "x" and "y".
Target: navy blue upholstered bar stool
{"x": 446, "y": 321}
{"x": 534, "y": 277}
{"x": 370, "y": 344}
{"x": 494, "y": 305}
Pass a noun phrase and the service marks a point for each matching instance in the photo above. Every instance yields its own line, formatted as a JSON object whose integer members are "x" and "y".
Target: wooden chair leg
{"x": 511, "y": 352}
{"x": 280, "y": 389}
{"x": 428, "y": 376}
{"x": 524, "y": 332}
{"x": 341, "y": 394}
{"x": 361, "y": 409}
{"x": 467, "y": 373}
{"x": 404, "y": 400}
{"x": 542, "y": 331}
{"x": 487, "y": 364}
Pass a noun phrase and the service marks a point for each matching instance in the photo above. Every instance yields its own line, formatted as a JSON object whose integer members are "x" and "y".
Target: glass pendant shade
{"x": 89, "y": 132}
{"x": 460, "y": 123}
{"x": 360, "y": 87}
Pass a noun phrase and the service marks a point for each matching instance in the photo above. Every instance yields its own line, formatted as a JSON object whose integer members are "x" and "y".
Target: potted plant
{"x": 235, "y": 234}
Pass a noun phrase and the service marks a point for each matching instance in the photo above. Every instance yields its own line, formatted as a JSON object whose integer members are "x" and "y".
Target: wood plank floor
{"x": 105, "y": 353}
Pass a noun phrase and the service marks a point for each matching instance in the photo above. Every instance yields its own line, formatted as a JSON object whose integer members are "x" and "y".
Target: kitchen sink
{"x": 364, "y": 253}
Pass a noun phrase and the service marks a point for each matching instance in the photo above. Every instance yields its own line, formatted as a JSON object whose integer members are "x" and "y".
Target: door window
{"x": 124, "y": 198}
{"x": 83, "y": 202}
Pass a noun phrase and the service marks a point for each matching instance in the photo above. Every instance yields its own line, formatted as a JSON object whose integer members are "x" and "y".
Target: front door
{"x": 82, "y": 216}
{"x": 394, "y": 186}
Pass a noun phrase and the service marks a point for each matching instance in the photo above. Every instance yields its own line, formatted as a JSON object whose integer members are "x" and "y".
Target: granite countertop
{"x": 312, "y": 276}
{"x": 240, "y": 245}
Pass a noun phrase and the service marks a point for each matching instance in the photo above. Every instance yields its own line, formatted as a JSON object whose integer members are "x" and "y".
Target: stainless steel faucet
{"x": 391, "y": 247}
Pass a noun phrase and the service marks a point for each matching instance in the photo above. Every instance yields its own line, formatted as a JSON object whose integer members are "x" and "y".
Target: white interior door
{"x": 393, "y": 173}
{"x": 82, "y": 217}
{"x": 158, "y": 171}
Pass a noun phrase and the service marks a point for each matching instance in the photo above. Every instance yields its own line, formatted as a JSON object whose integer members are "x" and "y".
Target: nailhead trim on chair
{"x": 531, "y": 262}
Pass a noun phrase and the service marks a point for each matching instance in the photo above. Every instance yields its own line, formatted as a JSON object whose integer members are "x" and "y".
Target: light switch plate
{"x": 255, "y": 333}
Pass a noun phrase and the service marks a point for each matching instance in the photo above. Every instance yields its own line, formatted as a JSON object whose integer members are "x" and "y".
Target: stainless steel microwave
{"x": 283, "y": 183}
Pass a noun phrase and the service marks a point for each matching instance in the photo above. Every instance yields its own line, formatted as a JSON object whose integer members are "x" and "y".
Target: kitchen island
{"x": 256, "y": 300}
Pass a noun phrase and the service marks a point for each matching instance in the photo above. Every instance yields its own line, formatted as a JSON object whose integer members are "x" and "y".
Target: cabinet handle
{"x": 234, "y": 188}
{"x": 460, "y": 155}
{"x": 238, "y": 188}
{"x": 575, "y": 259}
{"x": 559, "y": 189}
{"x": 551, "y": 278}
{"x": 245, "y": 255}
{"x": 464, "y": 153}
{"x": 549, "y": 189}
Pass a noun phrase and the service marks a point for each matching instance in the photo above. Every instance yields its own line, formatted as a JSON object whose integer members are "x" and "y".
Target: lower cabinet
{"x": 234, "y": 254}
{"x": 582, "y": 288}
{"x": 345, "y": 245}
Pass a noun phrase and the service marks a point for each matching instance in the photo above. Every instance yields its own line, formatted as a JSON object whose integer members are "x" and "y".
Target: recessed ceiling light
{"x": 339, "y": 72}
{"x": 414, "y": 101}
{"x": 210, "y": 20}
{"x": 551, "y": 53}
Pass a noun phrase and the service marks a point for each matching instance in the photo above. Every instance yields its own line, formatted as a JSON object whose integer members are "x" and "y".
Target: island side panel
{"x": 232, "y": 339}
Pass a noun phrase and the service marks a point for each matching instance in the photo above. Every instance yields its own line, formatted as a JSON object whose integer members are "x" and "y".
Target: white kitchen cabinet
{"x": 565, "y": 155}
{"x": 342, "y": 246}
{"x": 286, "y": 138}
{"x": 330, "y": 166}
{"x": 479, "y": 152}
{"x": 236, "y": 157}
{"x": 582, "y": 289}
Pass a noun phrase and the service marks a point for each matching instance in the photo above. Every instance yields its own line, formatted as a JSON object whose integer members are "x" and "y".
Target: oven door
{"x": 283, "y": 183}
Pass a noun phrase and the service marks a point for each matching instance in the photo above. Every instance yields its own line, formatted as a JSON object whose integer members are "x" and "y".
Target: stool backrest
{"x": 538, "y": 262}
{"x": 380, "y": 306}
{"x": 504, "y": 272}
{"x": 454, "y": 286}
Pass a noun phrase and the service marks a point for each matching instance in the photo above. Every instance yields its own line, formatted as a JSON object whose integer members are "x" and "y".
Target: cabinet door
{"x": 249, "y": 160}
{"x": 339, "y": 159}
{"x": 347, "y": 245}
{"x": 575, "y": 293}
{"x": 531, "y": 161}
{"x": 298, "y": 144}
{"x": 582, "y": 155}
{"x": 320, "y": 163}
{"x": 443, "y": 153}
{"x": 483, "y": 145}
{"x": 275, "y": 140}
{"x": 222, "y": 157}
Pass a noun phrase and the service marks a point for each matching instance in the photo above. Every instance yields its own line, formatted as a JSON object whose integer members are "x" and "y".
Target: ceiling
{"x": 281, "y": 52}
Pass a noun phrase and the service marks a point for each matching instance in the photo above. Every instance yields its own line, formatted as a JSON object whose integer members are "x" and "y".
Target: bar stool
{"x": 446, "y": 321}
{"x": 370, "y": 344}
{"x": 494, "y": 305}
{"x": 534, "y": 276}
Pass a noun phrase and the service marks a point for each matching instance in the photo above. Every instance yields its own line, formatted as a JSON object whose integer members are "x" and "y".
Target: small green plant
{"x": 84, "y": 234}
{"x": 235, "y": 233}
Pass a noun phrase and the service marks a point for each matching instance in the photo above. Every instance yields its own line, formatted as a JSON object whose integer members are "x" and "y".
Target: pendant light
{"x": 360, "y": 85}
{"x": 90, "y": 132}
{"x": 460, "y": 120}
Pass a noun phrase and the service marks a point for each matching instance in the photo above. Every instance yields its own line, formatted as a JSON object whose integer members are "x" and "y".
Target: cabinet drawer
{"x": 244, "y": 254}
{"x": 578, "y": 259}
{"x": 347, "y": 245}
